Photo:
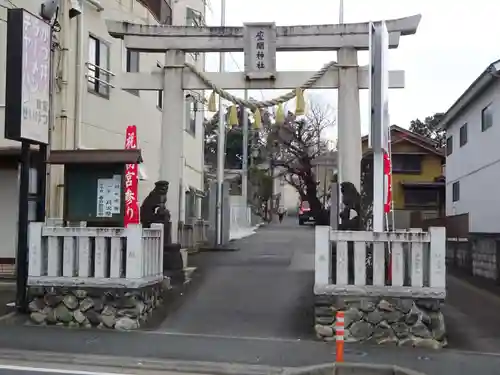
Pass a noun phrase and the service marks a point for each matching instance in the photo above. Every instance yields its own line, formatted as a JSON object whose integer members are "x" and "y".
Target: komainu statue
{"x": 154, "y": 210}
{"x": 350, "y": 216}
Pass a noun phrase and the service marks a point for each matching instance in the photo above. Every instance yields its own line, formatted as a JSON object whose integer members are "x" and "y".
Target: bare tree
{"x": 295, "y": 144}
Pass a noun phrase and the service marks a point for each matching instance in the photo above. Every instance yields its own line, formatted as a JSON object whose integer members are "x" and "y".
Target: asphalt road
{"x": 471, "y": 314}
{"x": 262, "y": 290}
{"x": 248, "y": 351}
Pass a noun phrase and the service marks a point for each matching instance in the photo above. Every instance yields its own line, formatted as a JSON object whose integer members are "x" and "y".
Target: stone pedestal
{"x": 121, "y": 309}
{"x": 379, "y": 320}
{"x": 173, "y": 265}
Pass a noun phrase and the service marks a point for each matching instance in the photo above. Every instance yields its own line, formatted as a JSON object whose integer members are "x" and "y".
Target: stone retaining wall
{"x": 396, "y": 321}
{"x": 484, "y": 257}
{"x": 94, "y": 307}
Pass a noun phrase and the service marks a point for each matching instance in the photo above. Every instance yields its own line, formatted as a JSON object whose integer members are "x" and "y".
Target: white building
{"x": 94, "y": 114}
{"x": 473, "y": 154}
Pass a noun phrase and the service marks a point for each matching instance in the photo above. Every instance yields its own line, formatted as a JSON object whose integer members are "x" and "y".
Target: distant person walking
{"x": 281, "y": 213}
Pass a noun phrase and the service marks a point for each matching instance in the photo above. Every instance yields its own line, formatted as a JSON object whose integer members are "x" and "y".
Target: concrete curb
{"x": 195, "y": 367}
{"x": 351, "y": 369}
{"x": 138, "y": 363}
{"x": 8, "y": 316}
{"x": 220, "y": 249}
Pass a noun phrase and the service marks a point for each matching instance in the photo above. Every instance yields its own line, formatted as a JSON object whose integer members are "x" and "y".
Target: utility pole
{"x": 221, "y": 145}
{"x": 341, "y": 12}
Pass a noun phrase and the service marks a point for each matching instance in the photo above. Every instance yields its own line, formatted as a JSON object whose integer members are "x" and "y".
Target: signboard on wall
{"x": 109, "y": 196}
{"x": 28, "y": 73}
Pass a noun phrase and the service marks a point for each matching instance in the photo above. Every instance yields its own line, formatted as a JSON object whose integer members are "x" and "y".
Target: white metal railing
{"x": 94, "y": 69}
{"x": 129, "y": 257}
{"x": 416, "y": 259}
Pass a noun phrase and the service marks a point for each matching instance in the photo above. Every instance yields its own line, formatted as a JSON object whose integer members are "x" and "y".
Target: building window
{"x": 133, "y": 66}
{"x": 463, "y": 135}
{"x": 160, "y": 9}
{"x": 194, "y": 19}
{"x": 191, "y": 108}
{"x": 421, "y": 197}
{"x": 98, "y": 74}
{"x": 165, "y": 13}
{"x": 406, "y": 163}
{"x": 190, "y": 205}
{"x": 455, "y": 193}
{"x": 159, "y": 102}
{"x": 449, "y": 145}
{"x": 486, "y": 118}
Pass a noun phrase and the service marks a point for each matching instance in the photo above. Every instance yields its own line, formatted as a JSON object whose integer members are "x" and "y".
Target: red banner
{"x": 131, "y": 180}
{"x": 388, "y": 183}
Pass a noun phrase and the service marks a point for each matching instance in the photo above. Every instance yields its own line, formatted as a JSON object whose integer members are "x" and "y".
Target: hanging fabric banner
{"x": 131, "y": 180}
{"x": 387, "y": 183}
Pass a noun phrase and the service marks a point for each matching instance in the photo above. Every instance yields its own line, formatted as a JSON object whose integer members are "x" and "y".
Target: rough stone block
{"x": 121, "y": 309}
{"x": 391, "y": 321}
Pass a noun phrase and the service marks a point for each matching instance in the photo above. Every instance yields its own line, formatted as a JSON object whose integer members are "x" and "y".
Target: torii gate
{"x": 260, "y": 73}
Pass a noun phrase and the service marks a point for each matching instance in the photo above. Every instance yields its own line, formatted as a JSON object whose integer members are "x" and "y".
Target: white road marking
{"x": 54, "y": 370}
{"x": 226, "y": 337}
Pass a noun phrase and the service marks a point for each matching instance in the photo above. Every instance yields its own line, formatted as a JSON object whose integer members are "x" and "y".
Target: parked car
{"x": 305, "y": 213}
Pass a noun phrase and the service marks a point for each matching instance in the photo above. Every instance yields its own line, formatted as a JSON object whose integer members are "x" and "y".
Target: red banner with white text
{"x": 388, "y": 183}
{"x": 131, "y": 180}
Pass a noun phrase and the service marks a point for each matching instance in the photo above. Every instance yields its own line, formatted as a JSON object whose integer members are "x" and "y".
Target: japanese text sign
{"x": 28, "y": 75}
{"x": 260, "y": 50}
{"x": 131, "y": 180}
{"x": 108, "y": 196}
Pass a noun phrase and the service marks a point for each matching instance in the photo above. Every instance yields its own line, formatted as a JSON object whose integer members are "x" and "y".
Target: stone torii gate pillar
{"x": 260, "y": 73}
{"x": 172, "y": 134}
{"x": 348, "y": 118}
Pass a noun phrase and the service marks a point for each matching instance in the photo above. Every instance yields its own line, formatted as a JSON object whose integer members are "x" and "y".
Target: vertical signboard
{"x": 260, "y": 50}
{"x": 379, "y": 86}
{"x": 379, "y": 121}
{"x": 27, "y": 93}
{"x": 131, "y": 180}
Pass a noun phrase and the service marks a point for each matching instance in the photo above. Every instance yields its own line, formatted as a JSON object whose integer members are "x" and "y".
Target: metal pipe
{"x": 341, "y": 12}
{"x": 62, "y": 129}
{"x": 79, "y": 84}
{"x": 221, "y": 145}
{"x": 244, "y": 166}
{"x": 22, "y": 229}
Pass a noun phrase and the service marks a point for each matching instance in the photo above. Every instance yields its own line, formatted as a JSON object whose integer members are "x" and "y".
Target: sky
{"x": 455, "y": 42}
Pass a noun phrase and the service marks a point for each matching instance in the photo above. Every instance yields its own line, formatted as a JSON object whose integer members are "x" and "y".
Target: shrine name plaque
{"x": 260, "y": 50}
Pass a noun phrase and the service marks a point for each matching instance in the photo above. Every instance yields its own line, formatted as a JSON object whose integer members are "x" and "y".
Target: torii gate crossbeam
{"x": 148, "y": 38}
